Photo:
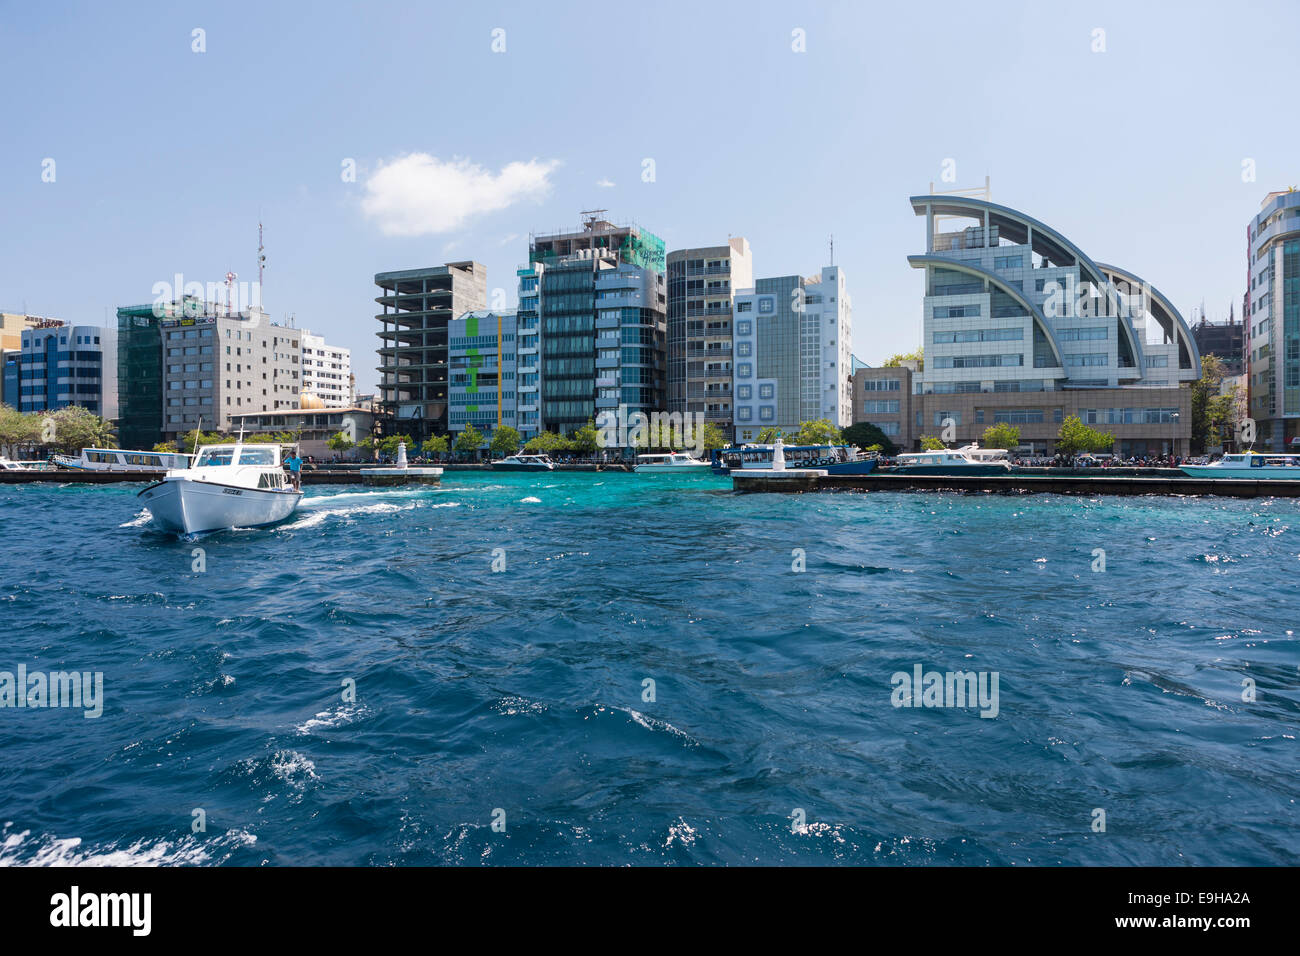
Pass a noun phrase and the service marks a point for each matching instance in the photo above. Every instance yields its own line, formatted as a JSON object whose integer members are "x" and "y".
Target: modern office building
{"x": 417, "y": 305}
{"x": 528, "y": 401}
{"x": 1225, "y": 340}
{"x": 1021, "y": 326}
{"x": 602, "y": 300}
{"x": 326, "y": 371}
{"x": 701, "y": 286}
{"x": 793, "y": 353}
{"x": 1273, "y": 320}
{"x": 60, "y": 365}
{"x": 190, "y": 364}
{"x": 483, "y": 365}
{"x": 883, "y": 397}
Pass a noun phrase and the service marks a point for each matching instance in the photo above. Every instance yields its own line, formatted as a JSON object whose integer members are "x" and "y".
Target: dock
{"x": 1068, "y": 483}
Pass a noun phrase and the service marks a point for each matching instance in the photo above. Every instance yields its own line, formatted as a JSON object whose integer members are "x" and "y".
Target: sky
{"x": 374, "y": 136}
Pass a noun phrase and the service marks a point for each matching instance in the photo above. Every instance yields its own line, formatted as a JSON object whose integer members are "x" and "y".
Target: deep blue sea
{"x": 769, "y": 734}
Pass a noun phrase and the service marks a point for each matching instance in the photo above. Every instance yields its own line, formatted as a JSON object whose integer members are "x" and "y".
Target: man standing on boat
{"x": 295, "y": 468}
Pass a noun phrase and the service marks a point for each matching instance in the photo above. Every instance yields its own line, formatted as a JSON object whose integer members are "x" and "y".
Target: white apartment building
{"x": 326, "y": 371}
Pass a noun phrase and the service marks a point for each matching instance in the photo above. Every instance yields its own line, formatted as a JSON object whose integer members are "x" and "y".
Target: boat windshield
{"x": 256, "y": 456}
{"x": 217, "y": 455}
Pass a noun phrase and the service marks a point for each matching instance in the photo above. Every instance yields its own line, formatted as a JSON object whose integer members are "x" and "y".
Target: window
{"x": 744, "y": 370}
{"x": 1018, "y": 416}
{"x": 744, "y": 392}
{"x": 766, "y": 413}
{"x": 744, "y": 327}
{"x": 979, "y": 335}
{"x": 744, "y": 307}
{"x": 880, "y": 407}
{"x": 1089, "y": 359}
{"x": 766, "y": 391}
{"x": 1008, "y": 262}
{"x": 939, "y": 418}
{"x": 888, "y": 428}
{"x": 881, "y": 385}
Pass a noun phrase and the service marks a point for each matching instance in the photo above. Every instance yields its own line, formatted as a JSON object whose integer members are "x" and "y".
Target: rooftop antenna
{"x": 261, "y": 261}
{"x": 832, "y": 248}
{"x": 230, "y": 283}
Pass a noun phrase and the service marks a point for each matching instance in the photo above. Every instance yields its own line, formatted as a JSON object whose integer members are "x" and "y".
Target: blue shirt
{"x": 294, "y": 463}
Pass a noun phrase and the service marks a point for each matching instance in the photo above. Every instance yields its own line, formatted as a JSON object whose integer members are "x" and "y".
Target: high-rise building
{"x": 1224, "y": 340}
{"x": 793, "y": 353}
{"x": 326, "y": 371}
{"x": 413, "y": 372}
{"x": 193, "y": 364}
{"x": 528, "y": 407}
{"x": 1273, "y": 320}
{"x": 61, "y": 365}
{"x": 1022, "y": 327}
{"x": 602, "y": 302}
{"x": 701, "y": 288}
{"x": 482, "y": 348}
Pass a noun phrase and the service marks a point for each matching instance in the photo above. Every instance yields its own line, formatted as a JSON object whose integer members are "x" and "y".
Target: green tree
{"x": 712, "y": 437}
{"x": 586, "y": 439}
{"x": 339, "y": 441}
{"x": 165, "y": 446}
{"x": 1203, "y": 390}
{"x": 1001, "y": 435}
{"x": 505, "y": 441}
{"x": 930, "y": 443}
{"x": 819, "y": 432}
{"x": 17, "y": 431}
{"x": 865, "y": 435}
{"x": 469, "y": 441}
{"x": 185, "y": 442}
{"x": 76, "y": 428}
{"x": 768, "y": 435}
{"x": 388, "y": 446}
{"x": 896, "y": 361}
{"x": 1076, "y": 437}
{"x": 434, "y": 445}
{"x": 543, "y": 443}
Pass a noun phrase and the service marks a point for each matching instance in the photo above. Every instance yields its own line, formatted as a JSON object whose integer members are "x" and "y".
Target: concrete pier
{"x": 1069, "y": 483}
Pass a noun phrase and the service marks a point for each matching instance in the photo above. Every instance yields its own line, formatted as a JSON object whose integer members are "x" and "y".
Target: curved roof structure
{"x": 1052, "y": 246}
{"x": 1164, "y": 312}
{"x": 970, "y": 268}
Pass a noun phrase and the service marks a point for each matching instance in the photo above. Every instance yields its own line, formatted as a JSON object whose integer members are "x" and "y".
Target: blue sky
{"x": 165, "y": 158}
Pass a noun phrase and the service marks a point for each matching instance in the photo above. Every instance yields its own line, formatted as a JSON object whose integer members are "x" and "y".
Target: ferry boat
{"x": 833, "y": 459}
{"x": 119, "y": 459}
{"x": 9, "y": 465}
{"x": 677, "y": 463}
{"x": 524, "y": 463}
{"x": 967, "y": 460}
{"x": 1249, "y": 465}
{"x": 227, "y": 486}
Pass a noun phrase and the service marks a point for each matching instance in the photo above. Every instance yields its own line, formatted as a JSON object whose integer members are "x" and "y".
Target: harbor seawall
{"x": 1070, "y": 483}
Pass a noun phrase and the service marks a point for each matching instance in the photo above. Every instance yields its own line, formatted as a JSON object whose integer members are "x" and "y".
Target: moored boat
{"x": 833, "y": 459}
{"x": 1249, "y": 465}
{"x": 122, "y": 459}
{"x": 524, "y": 463}
{"x": 228, "y": 486}
{"x": 967, "y": 460}
{"x": 677, "y": 463}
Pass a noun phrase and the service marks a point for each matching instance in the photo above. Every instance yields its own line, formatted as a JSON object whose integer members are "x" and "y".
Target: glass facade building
{"x": 1272, "y": 316}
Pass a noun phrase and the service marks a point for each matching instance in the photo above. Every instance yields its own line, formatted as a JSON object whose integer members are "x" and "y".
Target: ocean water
{"x": 769, "y": 735}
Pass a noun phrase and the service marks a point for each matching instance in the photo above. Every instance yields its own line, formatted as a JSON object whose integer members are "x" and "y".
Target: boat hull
{"x": 704, "y": 468}
{"x": 950, "y": 471}
{"x": 187, "y": 506}
{"x": 497, "y": 466}
{"x": 1264, "y": 473}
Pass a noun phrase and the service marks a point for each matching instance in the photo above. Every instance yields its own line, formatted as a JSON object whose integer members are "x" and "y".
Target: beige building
{"x": 701, "y": 292}
{"x": 883, "y": 397}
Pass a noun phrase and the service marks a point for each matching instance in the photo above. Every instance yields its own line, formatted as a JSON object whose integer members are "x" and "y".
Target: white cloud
{"x": 605, "y": 183}
{"x": 419, "y": 194}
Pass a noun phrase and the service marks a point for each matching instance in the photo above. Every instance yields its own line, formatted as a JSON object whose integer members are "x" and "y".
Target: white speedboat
{"x": 228, "y": 486}
{"x": 120, "y": 459}
{"x": 524, "y": 463}
{"x": 968, "y": 460}
{"x": 1249, "y": 465}
{"x": 677, "y": 463}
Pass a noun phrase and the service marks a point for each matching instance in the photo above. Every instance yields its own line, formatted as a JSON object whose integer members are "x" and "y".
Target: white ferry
{"x": 677, "y": 463}
{"x": 119, "y": 459}
{"x": 524, "y": 463}
{"x": 1249, "y": 465}
{"x": 967, "y": 460}
{"x": 228, "y": 486}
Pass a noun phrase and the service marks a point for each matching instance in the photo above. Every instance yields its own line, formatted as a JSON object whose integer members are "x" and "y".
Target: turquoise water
{"x": 772, "y": 736}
